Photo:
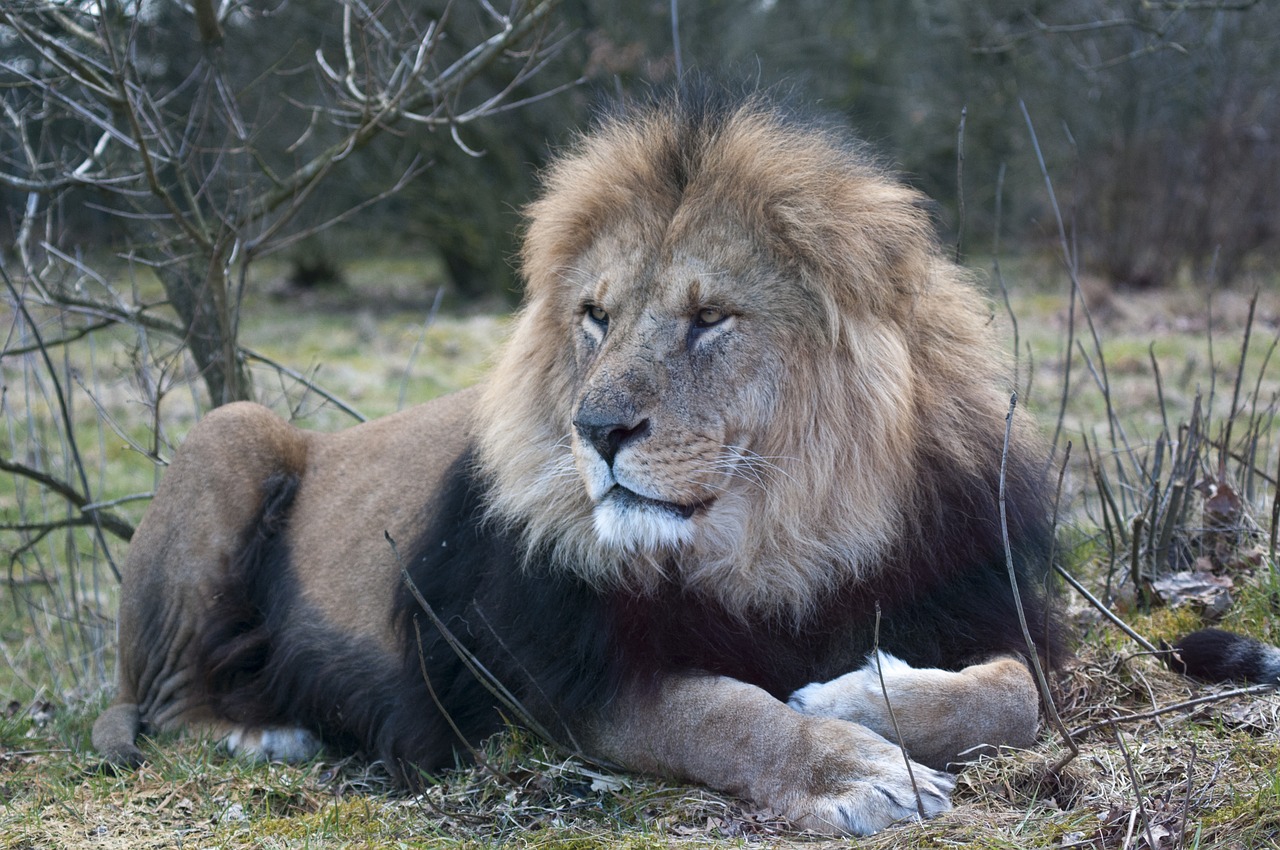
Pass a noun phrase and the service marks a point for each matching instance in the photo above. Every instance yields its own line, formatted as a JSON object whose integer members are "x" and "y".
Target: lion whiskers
{"x": 563, "y": 465}
{"x": 742, "y": 463}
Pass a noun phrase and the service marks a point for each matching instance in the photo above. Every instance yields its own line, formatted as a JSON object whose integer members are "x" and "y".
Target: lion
{"x": 736, "y": 505}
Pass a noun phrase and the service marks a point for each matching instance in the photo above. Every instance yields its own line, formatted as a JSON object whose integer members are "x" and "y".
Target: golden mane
{"x": 898, "y": 368}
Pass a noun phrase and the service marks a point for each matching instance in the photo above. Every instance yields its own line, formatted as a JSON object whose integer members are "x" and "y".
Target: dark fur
{"x": 236, "y": 643}
{"x": 267, "y": 660}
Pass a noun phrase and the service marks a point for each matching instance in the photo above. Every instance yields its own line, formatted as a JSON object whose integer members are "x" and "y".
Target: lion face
{"x": 677, "y": 362}
{"x": 737, "y": 338}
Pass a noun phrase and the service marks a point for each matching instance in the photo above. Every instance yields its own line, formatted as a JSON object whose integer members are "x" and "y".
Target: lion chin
{"x": 728, "y": 505}
{"x": 626, "y": 521}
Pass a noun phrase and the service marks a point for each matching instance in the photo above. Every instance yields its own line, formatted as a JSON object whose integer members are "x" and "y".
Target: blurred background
{"x": 1159, "y": 121}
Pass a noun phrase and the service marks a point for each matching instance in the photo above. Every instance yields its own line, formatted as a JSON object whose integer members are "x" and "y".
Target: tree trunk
{"x": 198, "y": 291}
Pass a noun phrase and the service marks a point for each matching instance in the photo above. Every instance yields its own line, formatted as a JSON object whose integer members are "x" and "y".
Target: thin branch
{"x": 54, "y": 343}
{"x": 448, "y": 716}
{"x": 1104, "y": 610}
{"x": 893, "y": 718}
{"x": 1033, "y": 655}
{"x": 675, "y": 44}
{"x": 449, "y": 82}
{"x": 302, "y": 379}
{"x": 92, "y": 515}
{"x": 964, "y": 114}
{"x": 469, "y": 660}
{"x": 1252, "y": 690}
{"x": 68, "y": 426}
{"x": 1137, "y": 788}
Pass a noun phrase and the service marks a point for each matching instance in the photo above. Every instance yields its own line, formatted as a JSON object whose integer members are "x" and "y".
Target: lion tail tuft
{"x": 1216, "y": 655}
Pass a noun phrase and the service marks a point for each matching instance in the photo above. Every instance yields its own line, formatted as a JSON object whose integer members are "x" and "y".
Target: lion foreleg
{"x": 942, "y": 716}
{"x": 821, "y": 773}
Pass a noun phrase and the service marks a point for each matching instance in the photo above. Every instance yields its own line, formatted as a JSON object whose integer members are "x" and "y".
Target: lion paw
{"x": 273, "y": 743}
{"x": 851, "y": 781}
{"x": 866, "y": 804}
{"x": 848, "y": 696}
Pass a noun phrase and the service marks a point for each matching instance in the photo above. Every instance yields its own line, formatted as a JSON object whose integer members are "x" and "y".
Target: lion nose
{"x": 607, "y": 438}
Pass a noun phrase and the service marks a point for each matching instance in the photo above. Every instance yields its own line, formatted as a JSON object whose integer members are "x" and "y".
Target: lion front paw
{"x": 855, "y": 696}
{"x": 862, "y": 784}
{"x": 864, "y": 807}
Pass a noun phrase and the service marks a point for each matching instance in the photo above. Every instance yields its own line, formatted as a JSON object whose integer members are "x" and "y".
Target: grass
{"x": 1197, "y": 776}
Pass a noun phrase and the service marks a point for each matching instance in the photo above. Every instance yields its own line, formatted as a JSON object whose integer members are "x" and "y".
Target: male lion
{"x": 748, "y": 428}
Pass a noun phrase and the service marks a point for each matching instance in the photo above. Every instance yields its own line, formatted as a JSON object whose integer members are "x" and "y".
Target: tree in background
{"x": 187, "y": 140}
{"x": 208, "y": 134}
{"x": 1160, "y": 121}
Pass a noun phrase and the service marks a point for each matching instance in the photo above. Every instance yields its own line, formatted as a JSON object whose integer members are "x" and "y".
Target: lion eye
{"x": 709, "y": 317}
{"x": 598, "y": 314}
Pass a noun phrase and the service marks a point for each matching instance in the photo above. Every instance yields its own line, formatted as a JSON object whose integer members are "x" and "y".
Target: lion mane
{"x": 886, "y": 412}
{"x": 749, "y": 427}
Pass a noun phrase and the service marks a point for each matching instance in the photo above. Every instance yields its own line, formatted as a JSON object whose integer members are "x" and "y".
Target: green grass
{"x": 371, "y": 344}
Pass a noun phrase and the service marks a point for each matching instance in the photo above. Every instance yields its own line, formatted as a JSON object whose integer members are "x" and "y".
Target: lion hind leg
{"x": 941, "y": 716}
{"x": 115, "y": 734}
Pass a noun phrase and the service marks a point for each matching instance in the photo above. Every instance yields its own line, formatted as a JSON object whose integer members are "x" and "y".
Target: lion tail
{"x": 1216, "y": 655}
{"x": 115, "y": 733}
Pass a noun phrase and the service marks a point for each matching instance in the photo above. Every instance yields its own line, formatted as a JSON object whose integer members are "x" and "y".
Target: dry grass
{"x": 1202, "y": 775}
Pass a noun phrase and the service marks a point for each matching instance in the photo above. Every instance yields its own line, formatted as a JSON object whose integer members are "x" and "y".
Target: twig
{"x": 1235, "y": 392}
{"x": 995, "y": 267}
{"x": 1137, "y": 788}
{"x": 1053, "y": 523}
{"x": 1033, "y": 656}
{"x": 893, "y": 717}
{"x": 309, "y": 384}
{"x": 1075, "y": 287}
{"x": 1135, "y": 564}
{"x": 417, "y": 345}
{"x": 1275, "y": 521}
{"x": 1104, "y": 610}
{"x": 675, "y": 38}
{"x": 1186, "y": 800}
{"x": 1251, "y": 690}
{"x": 964, "y": 112}
{"x": 73, "y": 448}
{"x": 65, "y": 340}
{"x": 468, "y": 658}
{"x": 1155, "y": 370}
{"x": 575, "y": 748}
{"x": 448, "y": 717}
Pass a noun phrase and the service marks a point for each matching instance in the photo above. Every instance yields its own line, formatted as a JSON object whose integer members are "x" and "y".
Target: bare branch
{"x": 91, "y": 516}
{"x": 207, "y": 22}
{"x": 309, "y": 384}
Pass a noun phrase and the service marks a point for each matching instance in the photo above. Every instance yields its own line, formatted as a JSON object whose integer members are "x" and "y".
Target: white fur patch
{"x": 639, "y": 527}
{"x": 274, "y": 743}
{"x": 849, "y": 695}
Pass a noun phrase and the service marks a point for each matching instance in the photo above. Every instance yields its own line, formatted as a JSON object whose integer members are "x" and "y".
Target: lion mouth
{"x": 625, "y": 498}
